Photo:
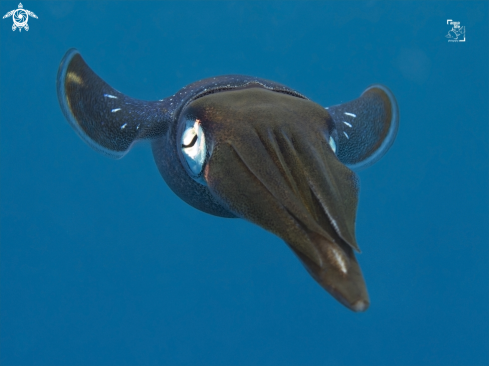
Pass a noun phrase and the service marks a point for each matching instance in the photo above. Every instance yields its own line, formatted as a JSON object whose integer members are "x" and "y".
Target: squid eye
{"x": 193, "y": 145}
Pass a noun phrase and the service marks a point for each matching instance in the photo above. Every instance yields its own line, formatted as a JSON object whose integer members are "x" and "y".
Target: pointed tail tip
{"x": 353, "y": 295}
{"x": 360, "y": 306}
{"x": 339, "y": 274}
{"x": 356, "y": 299}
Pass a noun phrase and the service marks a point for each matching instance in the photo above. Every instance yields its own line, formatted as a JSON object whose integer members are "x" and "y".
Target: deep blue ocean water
{"x": 101, "y": 264}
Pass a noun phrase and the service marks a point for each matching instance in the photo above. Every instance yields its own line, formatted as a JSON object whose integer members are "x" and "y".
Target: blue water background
{"x": 101, "y": 264}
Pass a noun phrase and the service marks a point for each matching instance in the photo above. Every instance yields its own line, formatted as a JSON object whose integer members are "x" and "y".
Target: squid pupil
{"x": 191, "y": 142}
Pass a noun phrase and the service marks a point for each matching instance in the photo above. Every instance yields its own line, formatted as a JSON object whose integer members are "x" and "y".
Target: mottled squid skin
{"x": 273, "y": 157}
